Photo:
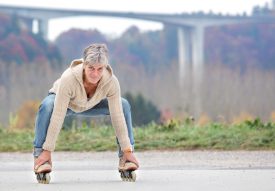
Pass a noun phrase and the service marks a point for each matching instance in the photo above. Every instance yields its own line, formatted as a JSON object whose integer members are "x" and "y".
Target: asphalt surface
{"x": 166, "y": 170}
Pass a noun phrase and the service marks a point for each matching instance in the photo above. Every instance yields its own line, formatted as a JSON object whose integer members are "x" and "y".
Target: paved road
{"x": 169, "y": 170}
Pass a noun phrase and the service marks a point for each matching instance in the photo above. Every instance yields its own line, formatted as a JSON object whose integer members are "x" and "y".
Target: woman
{"x": 88, "y": 87}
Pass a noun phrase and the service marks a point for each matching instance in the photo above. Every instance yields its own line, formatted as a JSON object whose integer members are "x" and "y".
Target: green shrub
{"x": 143, "y": 111}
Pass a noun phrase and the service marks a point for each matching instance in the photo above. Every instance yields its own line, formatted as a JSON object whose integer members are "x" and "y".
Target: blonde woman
{"x": 88, "y": 87}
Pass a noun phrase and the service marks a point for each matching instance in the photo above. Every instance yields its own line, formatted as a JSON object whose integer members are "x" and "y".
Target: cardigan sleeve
{"x": 61, "y": 103}
{"x": 117, "y": 116}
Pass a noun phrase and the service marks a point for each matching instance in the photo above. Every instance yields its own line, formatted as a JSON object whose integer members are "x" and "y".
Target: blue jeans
{"x": 45, "y": 112}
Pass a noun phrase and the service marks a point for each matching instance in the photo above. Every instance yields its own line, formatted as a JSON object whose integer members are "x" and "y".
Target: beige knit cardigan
{"x": 70, "y": 93}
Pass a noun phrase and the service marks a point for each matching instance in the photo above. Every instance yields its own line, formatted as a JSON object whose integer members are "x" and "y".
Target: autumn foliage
{"x": 25, "y": 116}
{"x": 239, "y": 73}
{"x": 18, "y": 44}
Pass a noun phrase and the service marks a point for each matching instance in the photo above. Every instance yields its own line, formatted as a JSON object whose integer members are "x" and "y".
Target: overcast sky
{"x": 114, "y": 27}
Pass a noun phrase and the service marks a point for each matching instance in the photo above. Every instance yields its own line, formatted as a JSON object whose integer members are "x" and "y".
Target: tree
{"x": 143, "y": 111}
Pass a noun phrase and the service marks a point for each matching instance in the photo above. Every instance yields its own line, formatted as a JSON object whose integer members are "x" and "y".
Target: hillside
{"x": 19, "y": 45}
{"x": 240, "y": 64}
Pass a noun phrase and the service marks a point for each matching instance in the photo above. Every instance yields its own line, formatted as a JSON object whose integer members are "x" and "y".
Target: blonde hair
{"x": 96, "y": 53}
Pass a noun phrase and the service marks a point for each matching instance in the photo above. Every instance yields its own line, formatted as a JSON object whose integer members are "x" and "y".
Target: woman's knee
{"x": 125, "y": 105}
{"x": 47, "y": 104}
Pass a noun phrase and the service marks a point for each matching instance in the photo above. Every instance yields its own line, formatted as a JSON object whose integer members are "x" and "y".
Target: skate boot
{"x": 127, "y": 170}
{"x": 43, "y": 173}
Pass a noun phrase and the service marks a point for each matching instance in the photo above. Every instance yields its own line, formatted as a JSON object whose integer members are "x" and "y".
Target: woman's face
{"x": 94, "y": 72}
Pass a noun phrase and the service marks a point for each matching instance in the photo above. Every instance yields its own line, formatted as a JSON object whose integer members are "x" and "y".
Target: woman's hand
{"x": 129, "y": 156}
{"x": 44, "y": 157}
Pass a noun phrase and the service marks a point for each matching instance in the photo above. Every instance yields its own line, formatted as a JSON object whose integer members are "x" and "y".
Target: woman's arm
{"x": 61, "y": 103}
{"x": 117, "y": 116}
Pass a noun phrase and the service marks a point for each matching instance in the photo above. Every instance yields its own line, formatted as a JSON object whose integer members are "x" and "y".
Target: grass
{"x": 249, "y": 135}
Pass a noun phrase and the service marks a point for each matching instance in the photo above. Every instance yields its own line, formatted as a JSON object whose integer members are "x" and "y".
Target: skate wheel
{"x": 129, "y": 176}
{"x": 43, "y": 178}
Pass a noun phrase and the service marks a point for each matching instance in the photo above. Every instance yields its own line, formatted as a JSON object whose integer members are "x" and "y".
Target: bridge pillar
{"x": 27, "y": 24}
{"x": 198, "y": 62}
{"x": 198, "y": 49}
{"x": 43, "y": 27}
{"x": 184, "y": 53}
{"x": 191, "y": 60}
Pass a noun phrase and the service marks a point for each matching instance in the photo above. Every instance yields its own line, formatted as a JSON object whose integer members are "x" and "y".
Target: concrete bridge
{"x": 190, "y": 31}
